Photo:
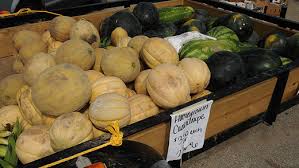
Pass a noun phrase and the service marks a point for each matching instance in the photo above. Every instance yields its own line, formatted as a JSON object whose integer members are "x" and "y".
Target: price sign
{"x": 188, "y": 127}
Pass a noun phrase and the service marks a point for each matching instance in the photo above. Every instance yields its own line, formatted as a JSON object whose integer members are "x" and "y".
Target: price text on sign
{"x": 188, "y": 127}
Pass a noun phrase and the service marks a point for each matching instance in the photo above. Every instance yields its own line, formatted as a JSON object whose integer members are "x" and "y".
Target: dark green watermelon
{"x": 127, "y": 21}
{"x": 277, "y": 42}
{"x": 254, "y": 38}
{"x": 193, "y": 25}
{"x": 293, "y": 47}
{"x": 162, "y": 30}
{"x": 241, "y": 24}
{"x": 211, "y": 21}
{"x": 202, "y": 15}
{"x": 285, "y": 60}
{"x": 123, "y": 19}
{"x": 147, "y": 14}
{"x": 245, "y": 46}
{"x": 259, "y": 60}
{"x": 226, "y": 68}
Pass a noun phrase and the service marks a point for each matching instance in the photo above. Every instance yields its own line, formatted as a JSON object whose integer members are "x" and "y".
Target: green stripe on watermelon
{"x": 202, "y": 49}
{"x": 223, "y": 33}
{"x": 175, "y": 14}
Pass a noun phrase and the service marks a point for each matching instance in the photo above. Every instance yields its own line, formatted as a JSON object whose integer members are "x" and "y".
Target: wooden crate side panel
{"x": 261, "y": 27}
{"x": 226, "y": 113}
{"x": 292, "y": 85}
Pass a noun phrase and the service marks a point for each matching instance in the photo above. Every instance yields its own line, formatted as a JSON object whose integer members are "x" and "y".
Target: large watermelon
{"x": 277, "y": 42}
{"x": 223, "y": 33}
{"x": 259, "y": 60}
{"x": 202, "y": 49}
{"x": 241, "y": 24}
{"x": 293, "y": 47}
{"x": 226, "y": 68}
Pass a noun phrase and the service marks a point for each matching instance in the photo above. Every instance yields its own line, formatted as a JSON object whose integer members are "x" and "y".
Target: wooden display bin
{"x": 232, "y": 106}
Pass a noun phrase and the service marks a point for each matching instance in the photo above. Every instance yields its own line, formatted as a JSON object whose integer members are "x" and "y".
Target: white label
{"x": 188, "y": 127}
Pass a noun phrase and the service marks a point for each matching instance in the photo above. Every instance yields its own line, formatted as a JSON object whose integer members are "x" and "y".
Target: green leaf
{"x": 17, "y": 130}
{"x": 11, "y": 155}
{"x": 3, "y": 149}
{"x": 5, "y": 164}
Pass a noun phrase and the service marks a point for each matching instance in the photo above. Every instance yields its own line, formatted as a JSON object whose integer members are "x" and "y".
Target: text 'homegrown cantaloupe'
{"x": 61, "y": 89}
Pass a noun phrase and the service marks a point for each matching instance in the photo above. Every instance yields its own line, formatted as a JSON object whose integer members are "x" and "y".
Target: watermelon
{"x": 241, "y": 24}
{"x": 176, "y": 14}
{"x": 254, "y": 38}
{"x": 226, "y": 68}
{"x": 259, "y": 60}
{"x": 285, "y": 60}
{"x": 193, "y": 25}
{"x": 162, "y": 30}
{"x": 293, "y": 46}
{"x": 277, "y": 42}
{"x": 224, "y": 33}
{"x": 245, "y": 46}
{"x": 202, "y": 49}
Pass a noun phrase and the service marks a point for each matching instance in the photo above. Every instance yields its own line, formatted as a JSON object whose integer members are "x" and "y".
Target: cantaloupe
{"x": 33, "y": 144}
{"x": 122, "y": 63}
{"x": 93, "y": 75}
{"x": 156, "y": 51}
{"x": 197, "y": 73}
{"x": 108, "y": 84}
{"x": 9, "y": 87}
{"x": 69, "y": 130}
{"x": 61, "y": 89}
{"x": 99, "y": 52}
{"x": 27, "y": 51}
{"x": 85, "y": 30}
{"x": 168, "y": 86}
{"x": 60, "y": 27}
{"x": 140, "y": 82}
{"x": 77, "y": 52}
{"x": 142, "y": 107}
{"x": 24, "y": 37}
{"x": 137, "y": 43}
{"x": 36, "y": 66}
{"x": 9, "y": 115}
{"x": 109, "y": 107}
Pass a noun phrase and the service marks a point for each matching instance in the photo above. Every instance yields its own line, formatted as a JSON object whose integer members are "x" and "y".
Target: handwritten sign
{"x": 188, "y": 127}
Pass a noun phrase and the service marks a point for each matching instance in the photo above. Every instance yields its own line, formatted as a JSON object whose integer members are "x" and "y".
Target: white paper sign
{"x": 188, "y": 127}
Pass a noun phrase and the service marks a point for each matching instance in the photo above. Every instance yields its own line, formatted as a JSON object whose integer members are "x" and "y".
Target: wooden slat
{"x": 225, "y": 113}
{"x": 292, "y": 85}
{"x": 6, "y": 66}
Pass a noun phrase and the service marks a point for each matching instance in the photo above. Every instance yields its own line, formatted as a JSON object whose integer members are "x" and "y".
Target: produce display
{"x": 73, "y": 79}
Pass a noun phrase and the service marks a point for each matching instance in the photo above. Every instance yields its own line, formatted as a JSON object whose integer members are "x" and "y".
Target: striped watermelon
{"x": 202, "y": 49}
{"x": 223, "y": 33}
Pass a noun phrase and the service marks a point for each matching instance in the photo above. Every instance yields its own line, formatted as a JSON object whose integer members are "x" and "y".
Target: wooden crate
{"x": 227, "y": 111}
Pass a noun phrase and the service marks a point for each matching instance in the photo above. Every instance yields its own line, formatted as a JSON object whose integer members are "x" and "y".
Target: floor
{"x": 293, "y": 10}
{"x": 262, "y": 146}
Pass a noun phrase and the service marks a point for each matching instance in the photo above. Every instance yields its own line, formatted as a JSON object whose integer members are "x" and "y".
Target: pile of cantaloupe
{"x": 66, "y": 89}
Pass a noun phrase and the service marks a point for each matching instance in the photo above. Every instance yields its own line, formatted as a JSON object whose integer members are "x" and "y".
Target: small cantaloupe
{"x": 60, "y": 27}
